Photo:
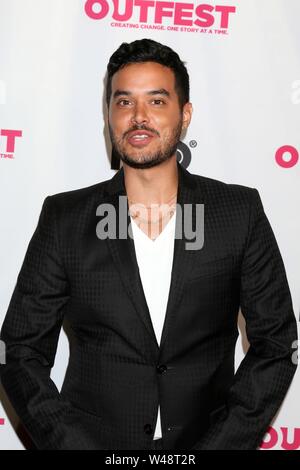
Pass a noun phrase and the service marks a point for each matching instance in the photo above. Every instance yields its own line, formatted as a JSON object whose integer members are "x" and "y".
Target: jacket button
{"x": 148, "y": 429}
{"x": 161, "y": 368}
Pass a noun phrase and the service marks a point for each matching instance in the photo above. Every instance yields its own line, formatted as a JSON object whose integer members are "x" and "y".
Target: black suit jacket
{"x": 117, "y": 373}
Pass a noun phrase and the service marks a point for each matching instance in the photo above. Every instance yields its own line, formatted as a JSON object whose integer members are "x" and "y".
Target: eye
{"x": 158, "y": 101}
{"x": 123, "y": 101}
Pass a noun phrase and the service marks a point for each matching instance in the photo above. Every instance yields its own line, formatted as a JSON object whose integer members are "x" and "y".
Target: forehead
{"x": 144, "y": 76}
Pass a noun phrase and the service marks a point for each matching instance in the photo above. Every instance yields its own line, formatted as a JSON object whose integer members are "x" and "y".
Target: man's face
{"x": 145, "y": 120}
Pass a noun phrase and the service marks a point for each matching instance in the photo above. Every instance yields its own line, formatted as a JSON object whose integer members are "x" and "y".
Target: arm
{"x": 263, "y": 378}
{"x": 30, "y": 332}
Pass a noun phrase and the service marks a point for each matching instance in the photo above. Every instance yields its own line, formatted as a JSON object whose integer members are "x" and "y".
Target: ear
{"x": 187, "y": 115}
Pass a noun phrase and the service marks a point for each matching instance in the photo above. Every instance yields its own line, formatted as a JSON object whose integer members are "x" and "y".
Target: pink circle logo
{"x": 293, "y": 156}
{"x": 101, "y": 7}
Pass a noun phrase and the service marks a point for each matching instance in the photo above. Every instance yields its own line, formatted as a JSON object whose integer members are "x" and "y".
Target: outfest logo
{"x": 183, "y": 17}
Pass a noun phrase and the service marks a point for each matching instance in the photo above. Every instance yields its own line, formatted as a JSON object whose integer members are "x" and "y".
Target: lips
{"x": 139, "y": 138}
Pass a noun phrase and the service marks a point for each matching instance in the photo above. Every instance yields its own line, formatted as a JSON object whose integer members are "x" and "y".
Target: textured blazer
{"x": 117, "y": 373}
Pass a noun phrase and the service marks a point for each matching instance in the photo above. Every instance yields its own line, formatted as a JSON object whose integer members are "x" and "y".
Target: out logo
{"x": 8, "y": 136}
{"x": 290, "y": 152}
{"x": 282, "y": 438}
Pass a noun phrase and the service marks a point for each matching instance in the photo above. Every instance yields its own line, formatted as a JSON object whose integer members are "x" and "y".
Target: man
{"x": 153, "y": 323}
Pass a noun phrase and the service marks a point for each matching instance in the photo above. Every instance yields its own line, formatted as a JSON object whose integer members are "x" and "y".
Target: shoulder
{"x": 224, "y": 193}
{"x": 85, "y": 193}
{"x": 231, "y": 202}
{"x": 77, "y": 200}
{"x": 217, "y": 187}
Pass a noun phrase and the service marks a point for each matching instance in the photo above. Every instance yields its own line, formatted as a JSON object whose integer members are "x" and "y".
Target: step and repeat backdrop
{"x": 243, "y": 57}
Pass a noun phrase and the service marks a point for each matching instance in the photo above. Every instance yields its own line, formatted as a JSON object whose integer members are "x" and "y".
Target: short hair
{"x": 147, "y": 50}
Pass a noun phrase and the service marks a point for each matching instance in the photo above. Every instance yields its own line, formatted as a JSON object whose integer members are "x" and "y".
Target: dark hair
{"x": 147, "y": 50}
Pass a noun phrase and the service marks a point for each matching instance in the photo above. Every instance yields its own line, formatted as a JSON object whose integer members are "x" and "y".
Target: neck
{"x": 154, "y": 185}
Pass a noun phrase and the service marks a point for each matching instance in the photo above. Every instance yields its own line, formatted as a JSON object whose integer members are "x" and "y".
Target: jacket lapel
{"x": 124, "y": 257}
{"x": 183, "y": 259}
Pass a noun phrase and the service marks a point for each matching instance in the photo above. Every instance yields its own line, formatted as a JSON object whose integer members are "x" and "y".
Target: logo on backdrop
{"x": 287, "y": 156}
{"x": 285, "y": 438}
{"x": 183, "y": 154}
{"x": 181, "y": 17}
{"x": 8, "y": 142}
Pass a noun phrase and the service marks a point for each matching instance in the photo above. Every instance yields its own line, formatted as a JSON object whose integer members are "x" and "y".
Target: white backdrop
{"x": 244, "y": 65}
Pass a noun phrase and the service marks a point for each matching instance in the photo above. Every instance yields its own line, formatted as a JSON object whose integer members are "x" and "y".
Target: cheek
{"x": 119, "y": 127}
{"x": 161, "y": 123}
{"x": 166, "y": 121}
{"x": 119, "y": 120}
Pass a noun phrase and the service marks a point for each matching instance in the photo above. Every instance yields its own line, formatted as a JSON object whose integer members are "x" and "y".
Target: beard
{"x": 147, "y": 159}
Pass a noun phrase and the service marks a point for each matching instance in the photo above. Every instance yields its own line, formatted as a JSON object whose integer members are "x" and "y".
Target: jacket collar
{"x": 116, "y": 185}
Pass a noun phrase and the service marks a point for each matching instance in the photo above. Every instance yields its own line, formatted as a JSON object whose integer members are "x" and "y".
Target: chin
{"x": 140, "y": 164}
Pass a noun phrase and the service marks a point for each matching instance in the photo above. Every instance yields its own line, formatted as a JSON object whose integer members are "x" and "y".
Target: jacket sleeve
{"x": 263, "y": 377}
{"x": 30, "y": 334}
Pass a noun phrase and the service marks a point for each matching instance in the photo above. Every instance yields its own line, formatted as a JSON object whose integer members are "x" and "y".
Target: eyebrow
{"x": 161, "y": 91}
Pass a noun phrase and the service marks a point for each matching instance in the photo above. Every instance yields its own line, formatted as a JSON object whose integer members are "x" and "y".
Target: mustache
{"x": 141, "y": 128}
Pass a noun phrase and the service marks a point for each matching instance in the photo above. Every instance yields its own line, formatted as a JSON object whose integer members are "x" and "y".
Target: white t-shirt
{"x": 155, "y": 259}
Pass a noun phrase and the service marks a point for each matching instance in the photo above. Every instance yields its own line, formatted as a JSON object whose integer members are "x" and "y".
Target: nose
{"x": 139, "y": 115}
